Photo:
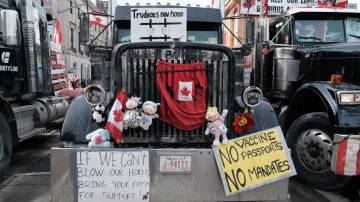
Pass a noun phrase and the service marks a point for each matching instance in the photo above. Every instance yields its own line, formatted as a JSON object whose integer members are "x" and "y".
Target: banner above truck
{"x": 252, "y": 7}
{"x": 158, "y": 24}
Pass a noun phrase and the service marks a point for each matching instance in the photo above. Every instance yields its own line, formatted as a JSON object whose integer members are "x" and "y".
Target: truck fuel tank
{"x": 285, "y": 69}
{"x": 50, "y": 109}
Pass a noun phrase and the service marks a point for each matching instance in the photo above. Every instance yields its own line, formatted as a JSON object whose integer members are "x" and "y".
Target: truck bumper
{"x": 346, "y": 155}
{"x": 201, "y": 183}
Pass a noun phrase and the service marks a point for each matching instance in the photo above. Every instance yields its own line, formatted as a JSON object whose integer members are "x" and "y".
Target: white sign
{"x": 175, "y": 163}
{"x": 110, "y": 176}
{"x": 274, "y": 6}
{"x": 158, "y": 24}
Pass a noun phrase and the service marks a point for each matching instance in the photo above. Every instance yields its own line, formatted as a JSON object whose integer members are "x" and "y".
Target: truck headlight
{"x": 252, "y": 96}
{"x": 349, "y": 97}
{"x": 94, "y": 94}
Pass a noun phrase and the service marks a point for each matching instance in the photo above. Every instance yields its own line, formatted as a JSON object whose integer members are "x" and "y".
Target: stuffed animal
{"x": 148, "y": 114}
{"x": 243, "y": 122}
{"x": 98, "y": 113}
{"x": 99, "y": 138}
{"x": 132, "y": 116}
{"x": 216, "y": 125}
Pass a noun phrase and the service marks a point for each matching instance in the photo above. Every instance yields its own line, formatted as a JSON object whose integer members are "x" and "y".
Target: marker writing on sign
{"x": 276, "y": 166}
{"x": 147, "y": 14}
{"x": 239, "y": 152}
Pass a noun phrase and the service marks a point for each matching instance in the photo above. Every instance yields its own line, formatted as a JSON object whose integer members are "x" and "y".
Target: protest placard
{"x": 158, "y": 24}
{"x": 109, "y": 176}
{"x": 254, "y": 160}
{"x": 274, "y": 6}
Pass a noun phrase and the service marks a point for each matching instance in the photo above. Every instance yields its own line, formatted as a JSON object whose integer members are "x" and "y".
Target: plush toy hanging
{"x": 132, "y": 117}
{"x": 148, "y": 114}
{"x": 216, "y": 125}
{"x": 98, "y": 113}
{"x": 99, "y": 138}
{"x": 243, "y": 122}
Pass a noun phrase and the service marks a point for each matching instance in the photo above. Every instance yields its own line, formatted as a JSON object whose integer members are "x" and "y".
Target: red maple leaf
{"x": 248, "y": 3}
{"x": 118, "y": 116}
{"x": 185, "y": 91}
{"x": 98, "y": 19}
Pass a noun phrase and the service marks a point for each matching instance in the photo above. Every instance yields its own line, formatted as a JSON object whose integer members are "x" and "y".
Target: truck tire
{"x": 5, "y": 146}
{"x": 310, "y": 140}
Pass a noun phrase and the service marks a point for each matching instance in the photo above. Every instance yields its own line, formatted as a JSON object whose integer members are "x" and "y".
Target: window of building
{"x": 72, "y": 37}
{"x": 79, "y": 13}
{"x": 79, "y": 45}
{"x": 71, "y": 7}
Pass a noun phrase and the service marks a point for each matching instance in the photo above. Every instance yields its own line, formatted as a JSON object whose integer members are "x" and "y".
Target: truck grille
{"x": 136, "y": 73}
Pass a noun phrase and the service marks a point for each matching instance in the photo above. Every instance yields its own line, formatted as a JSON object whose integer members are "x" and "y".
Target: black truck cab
{"x": 308, "y": 47}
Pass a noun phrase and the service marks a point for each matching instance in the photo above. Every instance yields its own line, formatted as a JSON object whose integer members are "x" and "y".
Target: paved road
{"x": 29, "y": 178}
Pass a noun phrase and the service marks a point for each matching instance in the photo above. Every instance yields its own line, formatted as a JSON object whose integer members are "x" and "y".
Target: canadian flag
{"x": 212, "y": 3}
{"x": 100, "y": 20}
{"x": 114, "y": 123}
{"x": 57, "y": 38}
{"x": 185, "y": 91}
{"x": 55, "y": 43}
{"x": 347, "y": 155}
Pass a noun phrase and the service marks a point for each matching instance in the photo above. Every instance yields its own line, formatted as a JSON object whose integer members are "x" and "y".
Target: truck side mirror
{"x": 10, "y": 27}
{"x": 250, "y": 30}
{"x": 84, "y": 28}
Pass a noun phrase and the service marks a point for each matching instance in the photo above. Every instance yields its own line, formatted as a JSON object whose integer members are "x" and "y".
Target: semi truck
{"x": 299, "y": 54}
{"x": 131, "y": 65}
{"x": 137, "y": 72}
{"x": 27, "y": 104}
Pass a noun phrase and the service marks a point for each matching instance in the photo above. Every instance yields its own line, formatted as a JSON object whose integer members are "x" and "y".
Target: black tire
{"x": 5, "y": 146}
{"x": 309, "y": 138}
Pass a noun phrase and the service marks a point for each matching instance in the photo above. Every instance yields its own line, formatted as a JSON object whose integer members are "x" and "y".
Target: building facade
{"x": 69, "y": 12}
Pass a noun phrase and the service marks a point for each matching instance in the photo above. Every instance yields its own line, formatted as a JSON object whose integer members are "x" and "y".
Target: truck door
{"x": 285, "y": 68}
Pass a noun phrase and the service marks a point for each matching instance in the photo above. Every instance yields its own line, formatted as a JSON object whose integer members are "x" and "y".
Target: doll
{"x": 216, "y": 125}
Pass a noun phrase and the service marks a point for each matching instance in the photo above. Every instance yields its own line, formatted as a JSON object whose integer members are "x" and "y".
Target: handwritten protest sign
{"x": 253, "y": 160}
{"x": 109, "y": 176}
{"x": 275, "y": 6}
{"x": 158, "y": 24}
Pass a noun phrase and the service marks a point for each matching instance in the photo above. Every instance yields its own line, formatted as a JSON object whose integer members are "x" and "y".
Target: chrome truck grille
{"x": 135, "y": 71}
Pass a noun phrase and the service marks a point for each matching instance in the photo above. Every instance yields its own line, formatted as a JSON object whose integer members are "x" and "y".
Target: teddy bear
{"x": 132, "y": 116}
{"x": 98, "y": 138}
{"x": 216, "y": 125}
{"x": 148, "y": 114}
{"x": 98, "y": 113}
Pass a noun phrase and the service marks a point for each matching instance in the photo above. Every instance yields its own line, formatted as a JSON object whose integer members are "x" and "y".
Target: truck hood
{"x": 336, "y": 50}
{"x": 324, "y": 60}
{"x": 334, "y": 88}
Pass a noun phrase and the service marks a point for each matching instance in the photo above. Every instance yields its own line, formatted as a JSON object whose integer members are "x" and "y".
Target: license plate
{"x": 175, "y": 164}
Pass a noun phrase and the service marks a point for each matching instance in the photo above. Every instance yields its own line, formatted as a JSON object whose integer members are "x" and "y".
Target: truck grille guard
{"x": 134, "y": 69}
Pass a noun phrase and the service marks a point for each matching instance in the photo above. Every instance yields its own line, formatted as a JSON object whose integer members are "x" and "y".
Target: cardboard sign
{"x": 110, "y": 176}
{"x": 254, "y": 160}
{"x": 158, "y": 24}
{"x": 274, "y": 6}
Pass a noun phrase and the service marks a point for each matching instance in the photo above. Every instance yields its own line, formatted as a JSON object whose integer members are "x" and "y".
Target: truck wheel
{"x": 310, "y": 141}
{"x": 5, "y": 146}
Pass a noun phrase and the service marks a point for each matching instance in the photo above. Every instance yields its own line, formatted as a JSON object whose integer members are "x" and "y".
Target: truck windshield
{"x": 328, "y": 31}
